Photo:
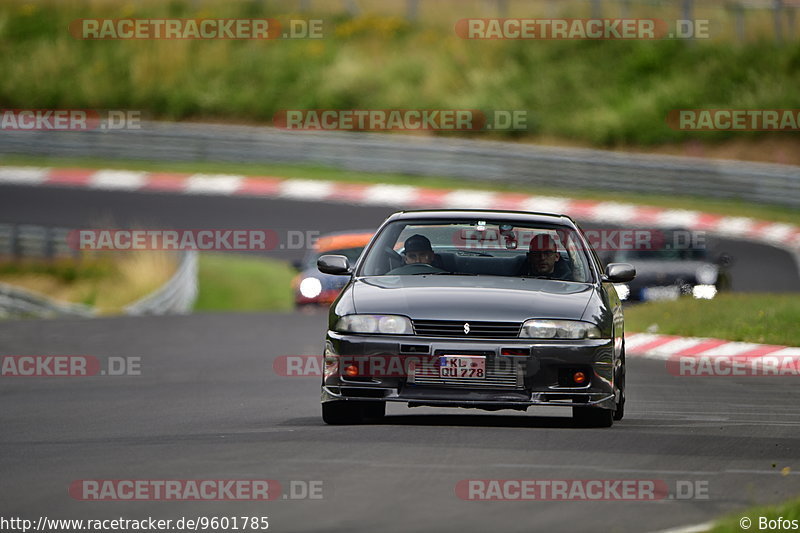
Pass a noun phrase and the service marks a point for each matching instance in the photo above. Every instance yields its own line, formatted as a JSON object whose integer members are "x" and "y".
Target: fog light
{"x": 579, "y": 378}
{"x": 515, "y": 351}
{"x": 351, "y": 371}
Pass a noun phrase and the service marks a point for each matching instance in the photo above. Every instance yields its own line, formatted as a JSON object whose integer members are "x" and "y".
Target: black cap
{"x": 418, "y": 243}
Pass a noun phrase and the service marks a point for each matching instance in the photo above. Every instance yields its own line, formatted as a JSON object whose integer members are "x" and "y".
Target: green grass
{"x": 760, "y": 318}
{"x": 737, "y": 208}
{"x": 730, "y": 524}
{"x": 607, "y": 93}
{"x": 231, "y": 282}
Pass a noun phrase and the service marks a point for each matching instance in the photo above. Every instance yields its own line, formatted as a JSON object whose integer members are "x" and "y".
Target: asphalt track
{"x": 208, "y": 405}
{"x": 757, "y": 267}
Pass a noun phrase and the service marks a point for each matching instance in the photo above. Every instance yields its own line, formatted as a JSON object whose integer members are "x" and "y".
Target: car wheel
{"x": 593, "y": 417}
{"x": 340, "y": 413}
{"x": 619, "y": 411}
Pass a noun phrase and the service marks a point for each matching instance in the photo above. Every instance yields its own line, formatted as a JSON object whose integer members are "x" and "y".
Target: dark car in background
{"x": 314, "y": 288}
{"x": 671, "y": 266}
{"x": 478, "y": 326}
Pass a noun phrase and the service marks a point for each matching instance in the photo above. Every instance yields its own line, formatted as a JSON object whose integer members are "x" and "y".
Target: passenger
{"x": 543, "y": 260}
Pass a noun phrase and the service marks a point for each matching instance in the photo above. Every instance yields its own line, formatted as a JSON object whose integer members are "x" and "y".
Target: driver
{"x": 417, "y": 249}
{"x": 543, "y": 259}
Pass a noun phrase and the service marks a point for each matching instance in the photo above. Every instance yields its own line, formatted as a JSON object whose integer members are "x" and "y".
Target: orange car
{"x": 312, "y": 287}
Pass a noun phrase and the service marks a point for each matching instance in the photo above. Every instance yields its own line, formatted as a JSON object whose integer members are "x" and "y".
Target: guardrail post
{"x": 597, "y": 9}
{"x": 412, "y": 9}
{"x": 49, "y": 244}
{"x": 777, "y": 7}
{"x": 687, "y": 11}
{"x": 738, "y": 11}
{"x": 352, "y": 7}
{"x": 502, "y": 8}
{"x": 624, "y": 8}
{"x": 16, "y": 244}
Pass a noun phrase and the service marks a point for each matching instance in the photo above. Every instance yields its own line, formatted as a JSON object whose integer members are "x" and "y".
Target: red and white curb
{"x": 404, "y": 196}
{"x": 666, "y": 347}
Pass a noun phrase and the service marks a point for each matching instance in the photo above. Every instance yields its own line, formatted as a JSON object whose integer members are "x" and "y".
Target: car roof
{"x": 520, "y": 216}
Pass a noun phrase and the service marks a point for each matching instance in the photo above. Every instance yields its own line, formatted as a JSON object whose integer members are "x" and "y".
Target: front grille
{"x": 455, "y": 328}
{"x": 501, "y": 373}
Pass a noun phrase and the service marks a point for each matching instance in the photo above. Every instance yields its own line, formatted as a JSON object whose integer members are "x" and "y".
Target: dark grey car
{"x": 482, "y": 325}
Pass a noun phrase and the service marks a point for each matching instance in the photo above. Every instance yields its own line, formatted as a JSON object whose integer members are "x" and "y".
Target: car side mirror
{"x": 338, "y": 265}
{"x": 620, "y": 272}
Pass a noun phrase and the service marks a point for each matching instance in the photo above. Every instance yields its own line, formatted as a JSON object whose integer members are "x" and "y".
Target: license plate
{"x": 462, "y": 366}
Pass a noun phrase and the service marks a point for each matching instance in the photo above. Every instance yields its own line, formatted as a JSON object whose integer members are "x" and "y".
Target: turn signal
{"x": 351, "y": 371}
{"x": 579, "y": 378}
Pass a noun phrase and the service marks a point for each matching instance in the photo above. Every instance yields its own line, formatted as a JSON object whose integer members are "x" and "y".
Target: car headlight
{"x": 704, "y": 292}
{"x": 381, "y": 324}
{"x": 559, "y": 329}
{"x": 707, "y": 274}
{"x": 310, "y": 287}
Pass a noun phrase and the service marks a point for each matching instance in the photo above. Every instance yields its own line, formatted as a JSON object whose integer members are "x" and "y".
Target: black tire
{"x": 619, "y": 410}
{"x": 593, "y": 417}
{"x": 342, "y": 412}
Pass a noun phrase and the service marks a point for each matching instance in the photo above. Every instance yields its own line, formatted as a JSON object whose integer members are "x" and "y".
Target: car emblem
{"x": 466, "y": 328}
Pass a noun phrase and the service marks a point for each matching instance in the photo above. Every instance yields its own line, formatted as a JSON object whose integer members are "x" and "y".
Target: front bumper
{"x": 532, "y": 378}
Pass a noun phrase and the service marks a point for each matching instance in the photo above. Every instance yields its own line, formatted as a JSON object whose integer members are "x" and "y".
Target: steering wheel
{"x": 415, "y": 268}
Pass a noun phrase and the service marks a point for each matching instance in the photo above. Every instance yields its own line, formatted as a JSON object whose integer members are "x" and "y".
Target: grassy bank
{"x": 602, "y": 92}
{"x": 785, "y": 511}
{"x": 761, "y": 318}
{"x": 230, "y": 282}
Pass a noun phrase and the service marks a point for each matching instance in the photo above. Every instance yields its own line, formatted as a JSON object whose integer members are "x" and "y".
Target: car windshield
{"x": 476, "y": 248}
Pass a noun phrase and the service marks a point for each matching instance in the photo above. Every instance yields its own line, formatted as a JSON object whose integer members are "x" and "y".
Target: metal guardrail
{"x": 567, "y": 168}
{"x": 16, "y": 301}
{"x": 24, "y": 241}
{"x": 34, "y": 241}
{"x": 177, "y": 296}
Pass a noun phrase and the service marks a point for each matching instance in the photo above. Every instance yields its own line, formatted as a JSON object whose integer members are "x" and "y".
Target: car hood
{"x": 490, "y": 298}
